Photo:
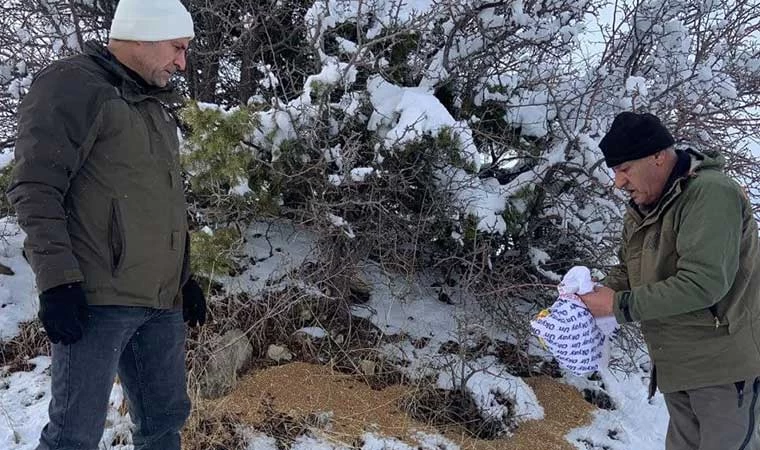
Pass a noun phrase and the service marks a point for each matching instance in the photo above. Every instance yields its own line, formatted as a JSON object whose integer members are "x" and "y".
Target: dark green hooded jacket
{"x": 689, "y": 273}
{"x": 97, "y": 185}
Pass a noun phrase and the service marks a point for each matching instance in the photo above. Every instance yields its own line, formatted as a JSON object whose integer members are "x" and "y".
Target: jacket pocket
{"x": 116, "y": 238}
{"x": 702, "y": 318}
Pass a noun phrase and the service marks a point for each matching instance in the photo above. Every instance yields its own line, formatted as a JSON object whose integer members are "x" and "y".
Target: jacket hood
{"x": 705, "y": 161}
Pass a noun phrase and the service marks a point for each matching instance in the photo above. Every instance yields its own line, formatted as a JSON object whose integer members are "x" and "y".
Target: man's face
{"x": 643, "y": 179}
{"x": 159, "y": 60}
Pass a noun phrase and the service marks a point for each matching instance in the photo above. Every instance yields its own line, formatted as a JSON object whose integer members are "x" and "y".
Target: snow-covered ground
{"x": 397, "y": 305}
{"x": 18, "y": 297}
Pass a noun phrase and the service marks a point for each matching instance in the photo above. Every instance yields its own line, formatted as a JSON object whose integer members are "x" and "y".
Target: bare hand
{"x": 600, "y": 301}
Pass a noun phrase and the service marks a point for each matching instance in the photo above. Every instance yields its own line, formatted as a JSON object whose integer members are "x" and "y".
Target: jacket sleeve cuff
{"x": 615, "y": 283}
{"x": 51, "y": 279}
{"x": 622, "y": 307}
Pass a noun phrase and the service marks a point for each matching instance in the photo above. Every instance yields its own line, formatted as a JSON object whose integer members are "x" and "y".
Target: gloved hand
{"x": 63, "y": 312}
{"x": 193, "y": 303}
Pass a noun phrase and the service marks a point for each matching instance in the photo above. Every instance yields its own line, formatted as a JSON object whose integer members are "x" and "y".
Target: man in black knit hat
{"x": 688, "y": 272}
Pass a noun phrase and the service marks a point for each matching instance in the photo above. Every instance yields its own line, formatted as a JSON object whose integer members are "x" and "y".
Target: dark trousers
{"x": 715, "y": 418}
{"x": 146, "y": 347}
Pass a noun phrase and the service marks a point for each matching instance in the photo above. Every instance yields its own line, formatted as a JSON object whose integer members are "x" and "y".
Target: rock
{"x": 279, "y": 353}
{"x": 312, "y": 332}
{"x": 359, "y": 290}
{"x": 369, "y": 368}
{"x": 230, "y": 353}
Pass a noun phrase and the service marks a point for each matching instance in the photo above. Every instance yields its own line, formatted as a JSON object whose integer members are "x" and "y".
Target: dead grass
{"x": 212, "y": 431}
{"x": 30, "y": 342}
{"x": 300, "y": 391}
{"x": 455, "y": 409}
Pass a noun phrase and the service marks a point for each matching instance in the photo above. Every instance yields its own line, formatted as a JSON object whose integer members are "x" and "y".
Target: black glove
{"x": 193, "y": 303}
{"x": 63, "y": 312}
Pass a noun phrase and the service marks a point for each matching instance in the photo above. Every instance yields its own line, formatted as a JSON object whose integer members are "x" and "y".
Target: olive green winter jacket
{"x": 689, "y": 272}
{"x": 97, "y": 185}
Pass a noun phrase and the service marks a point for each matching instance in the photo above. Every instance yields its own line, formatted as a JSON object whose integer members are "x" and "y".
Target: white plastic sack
{"x": 569, "y": 331}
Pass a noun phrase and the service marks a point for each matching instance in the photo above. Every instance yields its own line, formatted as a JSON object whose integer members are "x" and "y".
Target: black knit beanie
{"x": 634, "y": 136}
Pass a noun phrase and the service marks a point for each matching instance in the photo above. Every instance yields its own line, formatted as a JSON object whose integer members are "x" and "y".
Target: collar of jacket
{"x": 652, "y": 216}
{"x": 130, "y": 89}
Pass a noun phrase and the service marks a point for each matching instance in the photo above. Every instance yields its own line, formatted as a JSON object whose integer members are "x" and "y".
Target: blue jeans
{"x": 146, "y": 347}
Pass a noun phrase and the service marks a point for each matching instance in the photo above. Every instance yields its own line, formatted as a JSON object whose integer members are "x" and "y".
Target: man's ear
{"x": 658, "y": 158}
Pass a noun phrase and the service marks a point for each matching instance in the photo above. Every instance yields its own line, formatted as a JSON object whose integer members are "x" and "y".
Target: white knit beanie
{"x": 151, "y": 20}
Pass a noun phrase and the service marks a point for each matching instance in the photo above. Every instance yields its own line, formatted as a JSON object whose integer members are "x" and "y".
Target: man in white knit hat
{"x": 97, "y": 188}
